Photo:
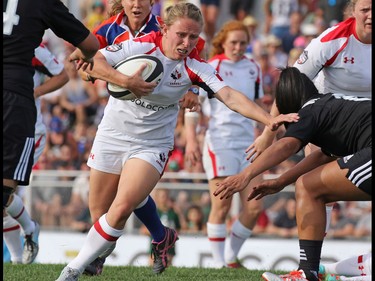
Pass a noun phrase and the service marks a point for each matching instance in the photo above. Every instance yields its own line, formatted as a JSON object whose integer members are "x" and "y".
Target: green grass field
{"x": 50, "y": 272}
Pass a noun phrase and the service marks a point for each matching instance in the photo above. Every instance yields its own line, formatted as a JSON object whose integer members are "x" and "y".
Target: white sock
{"x": 239, "y": 234}
{"x": 11, "y": 236}
{"x": 109, "y": 251}
{"x": 17, "y": 210}
{"x": 353, "y": 266}
{"x": 216, "y": 234}
{"x": 328, "y": 217}
{"x": 100, "y": 237}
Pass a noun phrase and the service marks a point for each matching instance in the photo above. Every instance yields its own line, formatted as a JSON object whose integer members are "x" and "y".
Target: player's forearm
{"x": 52, "y": 84}
{"x": 267, "y": 132}
{"x": 89, "y": 46}
{"x": 272, "y": 156}
{"x": 310, "y": 162}
{"x": 104, "y": 71}
{"x": 238, "y": 102}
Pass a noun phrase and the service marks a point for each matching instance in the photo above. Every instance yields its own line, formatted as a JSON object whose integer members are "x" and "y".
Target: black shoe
{"x": 95, "y": 268}
{"x": 160, "y": 249}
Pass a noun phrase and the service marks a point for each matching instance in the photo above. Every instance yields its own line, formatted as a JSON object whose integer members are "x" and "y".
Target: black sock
{"x": 310, "y": 251}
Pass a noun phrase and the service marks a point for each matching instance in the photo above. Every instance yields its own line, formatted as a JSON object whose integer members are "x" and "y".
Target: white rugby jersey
{"x": 338, "y": 61}
{"x": 151, "y": 120}
{"x": 228, "y": 129}
{"x": 45, "y": 63}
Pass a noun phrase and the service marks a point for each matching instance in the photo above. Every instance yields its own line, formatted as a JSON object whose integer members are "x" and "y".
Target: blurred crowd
{"x": 72, "y": 115}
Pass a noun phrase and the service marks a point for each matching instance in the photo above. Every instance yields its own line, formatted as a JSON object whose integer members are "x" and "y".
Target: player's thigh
{"x": 219, "y": 164}
{"x": 139, "y": 176}
{"x": 329, "y": 182}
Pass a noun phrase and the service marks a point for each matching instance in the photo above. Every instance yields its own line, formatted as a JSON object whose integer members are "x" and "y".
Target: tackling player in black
{"x": 24, "y": 24}
{"x": 340, "y": 171}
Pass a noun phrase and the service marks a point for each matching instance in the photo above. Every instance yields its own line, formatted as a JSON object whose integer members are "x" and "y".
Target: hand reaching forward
{"x": 279, "y": 120}
{"x": 266, "y": 187}
{"x": 81, "y": 61}
{"x": 260, "y": 144}
{"x": 231, "y": 185}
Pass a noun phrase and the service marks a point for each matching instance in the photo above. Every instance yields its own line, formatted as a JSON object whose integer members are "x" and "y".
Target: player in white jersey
{"x": 339, "y": 59}
{"x": 136, "y": 136}
{"x": 227, "y": 137}
{"x": 45, "y": 63}
{"x": 356, "y": 268}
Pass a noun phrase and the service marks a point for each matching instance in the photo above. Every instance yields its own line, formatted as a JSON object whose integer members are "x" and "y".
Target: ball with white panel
{"x": 152, "y": 73}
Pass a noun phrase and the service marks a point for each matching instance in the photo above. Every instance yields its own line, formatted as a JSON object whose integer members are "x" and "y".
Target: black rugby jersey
{"x": 24, "y": 24}
{"x": 340, "y": 125}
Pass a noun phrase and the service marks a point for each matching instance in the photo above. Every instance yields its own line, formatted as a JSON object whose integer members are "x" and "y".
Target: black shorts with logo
{"x": 19, "y": 117}
{"x": 360, "y": 168}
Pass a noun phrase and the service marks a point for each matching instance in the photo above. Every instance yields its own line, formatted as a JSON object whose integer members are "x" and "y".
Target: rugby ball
{"x": 152, "y": 73}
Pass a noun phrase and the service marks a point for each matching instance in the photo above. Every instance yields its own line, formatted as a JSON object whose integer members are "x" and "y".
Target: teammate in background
{"x": 356, "y": 268}
{"x": 24, "y": 23}
{"x": 128, "y": 20}
{"x": 338, "y": 61}
{"x": 17, "y": 216}
{"x": 210, "y": 10}
{"x": 339, "y": 171}
{"x": 227, "y": 137}
{"x": 137, "y": 151}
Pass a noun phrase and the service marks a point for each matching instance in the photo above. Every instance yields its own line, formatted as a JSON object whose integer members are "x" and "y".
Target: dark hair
{"x": 292, "y": 90}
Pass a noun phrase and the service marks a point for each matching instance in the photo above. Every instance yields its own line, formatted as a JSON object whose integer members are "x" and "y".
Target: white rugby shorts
{"x": 109, "y": 155}
{"x": 223, "y": 162}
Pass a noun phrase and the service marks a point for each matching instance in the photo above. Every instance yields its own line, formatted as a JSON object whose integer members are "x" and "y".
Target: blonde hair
{"x": 181, "y": 10}
{"x": 222, "y": 35}
{"x": 116, "y": 7}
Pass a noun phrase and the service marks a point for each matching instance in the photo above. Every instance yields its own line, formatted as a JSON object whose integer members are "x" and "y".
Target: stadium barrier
{"x": 259, "y": 252}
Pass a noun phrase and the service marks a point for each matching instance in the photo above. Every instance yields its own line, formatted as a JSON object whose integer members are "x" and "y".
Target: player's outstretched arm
{"x": 272, "y": 156}
{"x": 238, "y": 102}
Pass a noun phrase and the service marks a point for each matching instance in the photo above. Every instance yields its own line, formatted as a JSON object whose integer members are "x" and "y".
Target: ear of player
{"x": 152, "y": 73}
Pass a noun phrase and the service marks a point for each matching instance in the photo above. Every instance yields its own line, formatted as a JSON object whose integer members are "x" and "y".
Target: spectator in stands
{"x": 210, "y": 11}
{"x": 78, "y": 98}
{"x": 56, "y": 138}
{"x": 308, "y": 32}
{"x": 76, "y": 210}
{"x": 194, "y": 221}
{"x": 331, "y": 12}
{"x": 278, "y": 14}
{"x": 293, "y": 32}
{"x": 277, "y": 57}
{"x": 205, "y": 204}
{"x": 241, "y": 8}
{"x": 363, "y": 227}
{"x": 269, "y": 74}
{"x": 96, "y": 16}
{"x": 340, "y": 225}
{"x": 252, "y": 50}
{"x": 285, "y": 223}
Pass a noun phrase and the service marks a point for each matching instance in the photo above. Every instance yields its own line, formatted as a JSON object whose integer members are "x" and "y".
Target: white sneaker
{"x": 31, "y": 246}
{"x": 69, "y": 274}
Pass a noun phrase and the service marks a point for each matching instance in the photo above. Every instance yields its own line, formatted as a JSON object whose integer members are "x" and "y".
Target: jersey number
{"x": 10, "y": 18}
